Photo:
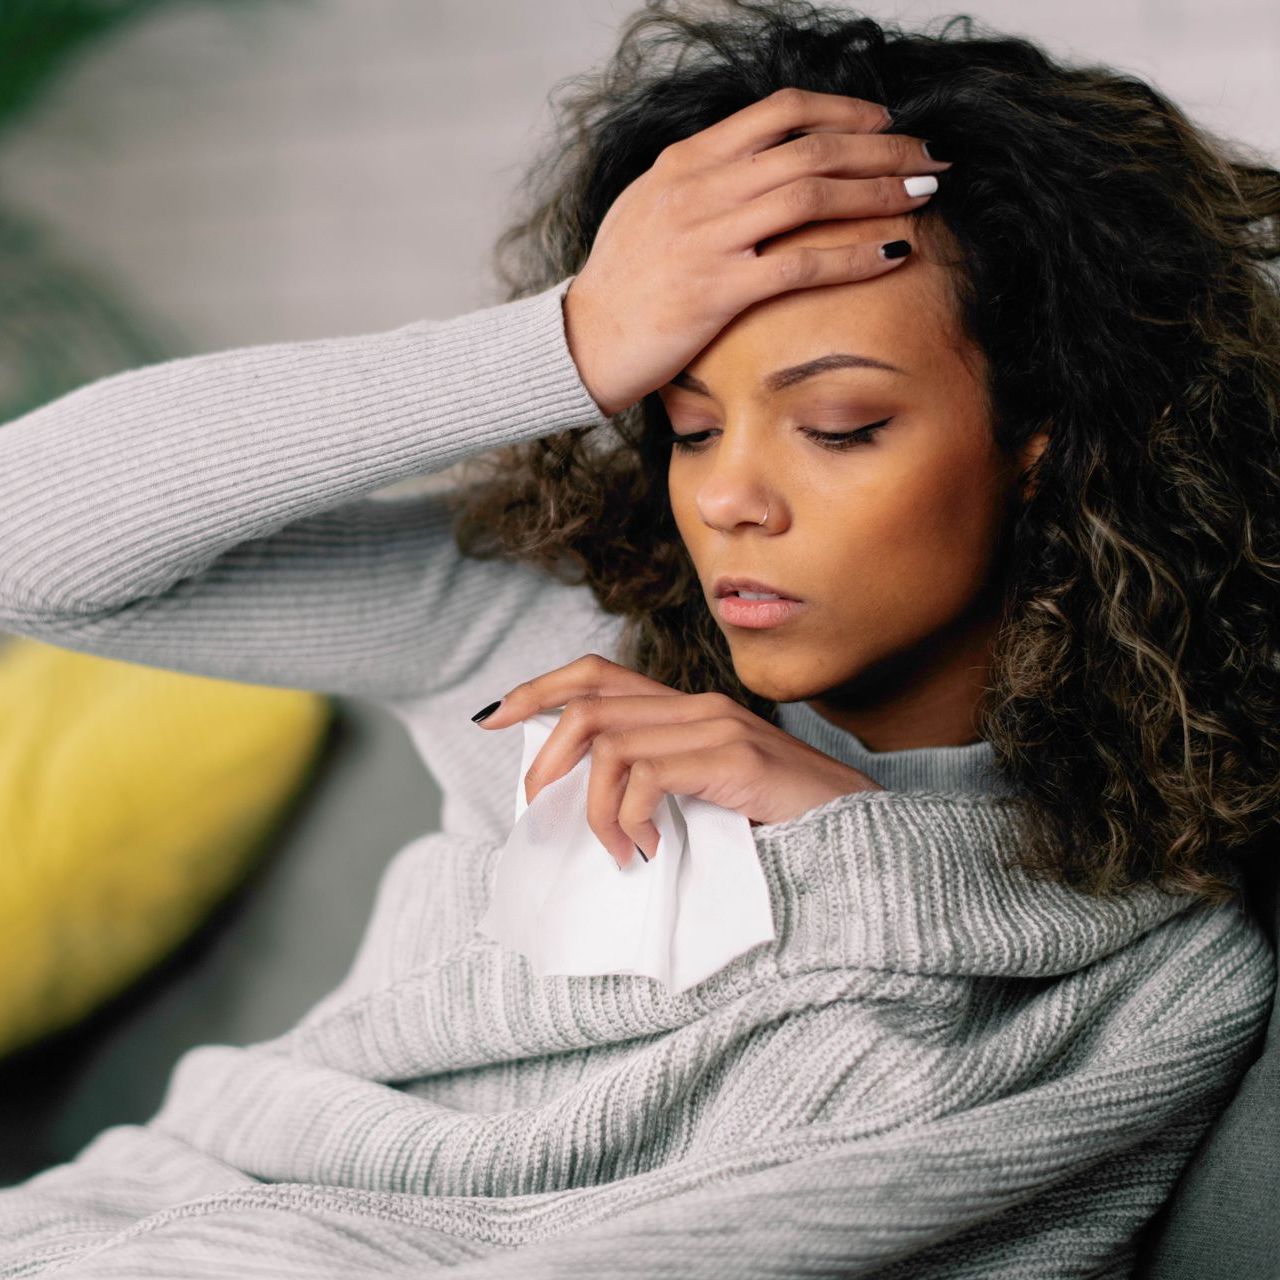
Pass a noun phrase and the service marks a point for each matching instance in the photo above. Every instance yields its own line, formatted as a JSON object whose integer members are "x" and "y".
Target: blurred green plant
{"x": 39, "y": 37}
{"x": 61, "y": 324}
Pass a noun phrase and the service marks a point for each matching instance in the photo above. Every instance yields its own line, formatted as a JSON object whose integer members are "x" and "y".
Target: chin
{"x": 766, "y": 680}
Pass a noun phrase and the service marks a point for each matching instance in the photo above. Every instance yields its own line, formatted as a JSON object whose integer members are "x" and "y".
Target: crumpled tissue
{"x": 559, "y": 900}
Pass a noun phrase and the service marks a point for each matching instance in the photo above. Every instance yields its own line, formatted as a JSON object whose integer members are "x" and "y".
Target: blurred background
{"x": 181, "y": 176}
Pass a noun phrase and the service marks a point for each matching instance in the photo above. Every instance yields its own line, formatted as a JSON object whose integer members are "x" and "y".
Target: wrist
{"x": 579, "y": 331}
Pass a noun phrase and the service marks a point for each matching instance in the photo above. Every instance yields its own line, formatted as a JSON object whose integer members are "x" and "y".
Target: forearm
{"x": 213, "y": 514}
{"x": 115, "y": 491}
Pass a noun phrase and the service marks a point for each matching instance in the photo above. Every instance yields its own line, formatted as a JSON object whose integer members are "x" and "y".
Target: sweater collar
{"x": 924, "y": 871}
{"x": 968, "y": 769}
{"x": 928, "y": 883}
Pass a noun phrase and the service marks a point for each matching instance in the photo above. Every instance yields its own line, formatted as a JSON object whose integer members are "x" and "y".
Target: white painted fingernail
{"x": 922, "y": 186}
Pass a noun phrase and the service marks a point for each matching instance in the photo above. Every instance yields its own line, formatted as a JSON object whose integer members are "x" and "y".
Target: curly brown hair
{"x": 1114, "y": 269}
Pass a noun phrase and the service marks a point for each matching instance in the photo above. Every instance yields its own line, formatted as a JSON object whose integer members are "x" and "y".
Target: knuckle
{"x": 793, "y": 270}
{"x": 672, "y": 155}
{"x": 804, "y": 195}
{"x": 730, "y": 727}
{"x": 901, "y": 148}
{"x": 887, "y": 193}
{"x": 788, "y": 99}
{"x": 860, "y": 258}
{"x": 581, "y": 710}
{"x": 815, "y": 148}
{"x": 645, "y": 768}
{"x": 609, "y": 744}
{"x": 745, "y": 754}
{"x": 718, "y": 703}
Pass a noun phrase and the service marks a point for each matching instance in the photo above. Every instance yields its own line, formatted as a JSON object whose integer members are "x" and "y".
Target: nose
{"x": 725, "y": 510}
{"x": 734, "y": 488}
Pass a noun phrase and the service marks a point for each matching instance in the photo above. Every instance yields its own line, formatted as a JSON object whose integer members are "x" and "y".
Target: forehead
{"x": 907, "y": 316}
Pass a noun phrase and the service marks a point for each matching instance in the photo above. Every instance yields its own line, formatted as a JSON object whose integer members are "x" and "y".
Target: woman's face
{"x": 888, "y": 544}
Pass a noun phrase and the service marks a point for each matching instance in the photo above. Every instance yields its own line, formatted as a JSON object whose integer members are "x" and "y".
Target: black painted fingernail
{"x": 640, "y": 851}
{"x": 895, "y": 249}
{"x": 937, "y": 151}
{"x": 485, "y": 712}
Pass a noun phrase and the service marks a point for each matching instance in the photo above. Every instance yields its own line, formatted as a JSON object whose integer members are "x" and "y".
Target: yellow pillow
{"x": 131, "y": 801}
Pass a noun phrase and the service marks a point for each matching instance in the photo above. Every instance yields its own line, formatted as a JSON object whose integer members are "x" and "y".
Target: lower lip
{"x": 757, "y": 613}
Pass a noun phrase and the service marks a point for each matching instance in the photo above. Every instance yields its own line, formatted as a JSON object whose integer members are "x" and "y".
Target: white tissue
{"x": 559, "y": 900}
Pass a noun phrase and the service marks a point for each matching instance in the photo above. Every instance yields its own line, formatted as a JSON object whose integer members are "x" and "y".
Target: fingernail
{"x": 925, "y": 185}
{"x": 640, "y": 851}
{"x": 895, "y": 249}
{"x": 485, "y": 712}
{"x": 937, "y": 151}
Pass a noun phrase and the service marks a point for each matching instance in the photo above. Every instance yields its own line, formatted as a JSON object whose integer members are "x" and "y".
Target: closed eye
{"x": 694, "y": 441}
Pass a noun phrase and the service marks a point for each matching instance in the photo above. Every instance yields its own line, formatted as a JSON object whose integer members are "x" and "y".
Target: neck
{"x": 924, "y": 695}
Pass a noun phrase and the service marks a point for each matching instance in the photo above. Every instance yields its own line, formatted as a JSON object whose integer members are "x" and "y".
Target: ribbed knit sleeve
{"x": 211, "y": 514}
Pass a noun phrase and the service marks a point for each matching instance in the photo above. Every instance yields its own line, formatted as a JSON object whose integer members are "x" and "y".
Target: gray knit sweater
{"x": 940, "y": 1067}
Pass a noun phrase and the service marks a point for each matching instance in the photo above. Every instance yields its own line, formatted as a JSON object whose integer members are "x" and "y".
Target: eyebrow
{"x": 780, "y": 379}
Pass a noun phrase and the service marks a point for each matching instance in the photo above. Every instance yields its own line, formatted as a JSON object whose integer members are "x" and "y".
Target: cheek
{"x": 921, "y": 542}
{"x": 681, "y": 497}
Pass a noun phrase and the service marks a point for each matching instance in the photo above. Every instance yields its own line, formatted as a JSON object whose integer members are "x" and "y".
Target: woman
{"x": 1007, "y": 754}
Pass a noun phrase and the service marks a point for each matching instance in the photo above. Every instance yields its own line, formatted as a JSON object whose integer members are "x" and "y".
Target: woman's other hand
{"x": 648, "y": 740}
{"x": 675, "y": 257}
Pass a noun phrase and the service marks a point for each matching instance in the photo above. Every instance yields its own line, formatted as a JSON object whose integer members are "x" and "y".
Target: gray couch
{"x": 1223, "y": 1220}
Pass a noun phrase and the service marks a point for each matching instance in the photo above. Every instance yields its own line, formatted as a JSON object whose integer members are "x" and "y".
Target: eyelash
{"x": 839, "y": 442}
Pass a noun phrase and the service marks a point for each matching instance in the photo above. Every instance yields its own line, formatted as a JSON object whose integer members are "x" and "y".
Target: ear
{"x": 1027, "y": 457}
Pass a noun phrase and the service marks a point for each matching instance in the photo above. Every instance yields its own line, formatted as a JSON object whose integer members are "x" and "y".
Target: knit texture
{"x": 939, "y": 1067}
